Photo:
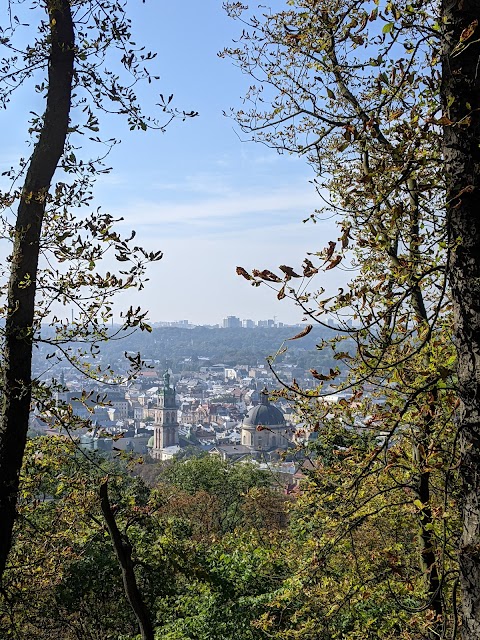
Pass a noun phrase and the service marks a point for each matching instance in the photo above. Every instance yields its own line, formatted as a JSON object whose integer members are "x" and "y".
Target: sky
{"x": 201, "y": 193}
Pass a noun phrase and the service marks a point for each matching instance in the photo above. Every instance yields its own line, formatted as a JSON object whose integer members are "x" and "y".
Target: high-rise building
{"x": 266, "y": 323}
{"x": 231, "y": 322}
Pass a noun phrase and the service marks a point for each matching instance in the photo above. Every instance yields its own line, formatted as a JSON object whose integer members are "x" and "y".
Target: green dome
{"x": 150, "y": 442}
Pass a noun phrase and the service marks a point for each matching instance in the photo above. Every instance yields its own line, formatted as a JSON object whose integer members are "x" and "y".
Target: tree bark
{"x": 461, "y": 102}
{"x": 19, "y": 324}
{"x": 123, "y": 551}
{"x": 426, "y": 538}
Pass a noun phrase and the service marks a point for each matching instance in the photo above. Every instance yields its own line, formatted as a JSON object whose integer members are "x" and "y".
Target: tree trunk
{"x": 426, "y": 538}
{"x": 17, "y": 379}
{"x": 123, "y": 551}
{"x": 461, "y": 102}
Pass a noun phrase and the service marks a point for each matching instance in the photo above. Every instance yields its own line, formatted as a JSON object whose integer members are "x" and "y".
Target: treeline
{"x": 181, "y": 348}
{"x": 226, "y": 346}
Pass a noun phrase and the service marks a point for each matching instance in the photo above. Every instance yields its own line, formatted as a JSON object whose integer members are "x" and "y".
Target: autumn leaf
{"x": 330, "y": 250}
{"x": 242, "y": 272}
{"x": 320, "y": 376}
{"x": 309, "y": 270}
{"x": 468, "y": 189}
{"x": 343, "y": 355}
{"x": 302, "y": 333}
{"x": 288, "y": 271}
{"x": 444, "y": 121}
{"x": 334, "y": 262}
{"x": 469, "y": 31}
{"x": 266, "y": 275}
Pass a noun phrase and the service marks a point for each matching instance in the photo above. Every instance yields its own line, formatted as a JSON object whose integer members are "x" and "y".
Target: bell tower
{"x": 166, "y": 417}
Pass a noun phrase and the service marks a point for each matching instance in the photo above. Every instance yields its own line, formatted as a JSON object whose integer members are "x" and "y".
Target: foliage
{"x": 367, "y": 546}
{"x": 60, "y": 550}
{"x": 219, "y": 490}
{"x": 231, "y": 348}
{"x": 355, "y": 88}
{"x": 63, "y": 578}
{"x": 353, "y": 563}
{"x": 240, "y": 571}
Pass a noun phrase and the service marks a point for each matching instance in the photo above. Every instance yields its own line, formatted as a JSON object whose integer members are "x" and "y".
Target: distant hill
{"x": 181, "y": 348}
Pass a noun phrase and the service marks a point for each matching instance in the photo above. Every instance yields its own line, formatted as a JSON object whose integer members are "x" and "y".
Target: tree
{"x": 123, "y": 551}
{"x": 225, "y": 600}
{"x": 63, "y": 578}
{"x": 380, "y": 99}
{"x": 461, "y": 142}
{"x": 72, "y": 47}
{"x": 21, "y": 292}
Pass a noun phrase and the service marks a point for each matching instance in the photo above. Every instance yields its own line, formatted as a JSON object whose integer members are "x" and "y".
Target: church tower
{"x": 166, "y": 414}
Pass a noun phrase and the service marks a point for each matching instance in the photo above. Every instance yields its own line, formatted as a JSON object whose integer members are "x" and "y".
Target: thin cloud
{"x": 299, "y": 201}
{"x": 202, "y": 183}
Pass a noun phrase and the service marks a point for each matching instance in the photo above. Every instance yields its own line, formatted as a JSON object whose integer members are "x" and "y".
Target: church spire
{"x": 166, "y": 380}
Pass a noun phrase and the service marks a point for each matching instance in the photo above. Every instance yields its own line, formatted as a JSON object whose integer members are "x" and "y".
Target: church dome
{"x": 264, "y": 414}
{"x": 150, "y": 442}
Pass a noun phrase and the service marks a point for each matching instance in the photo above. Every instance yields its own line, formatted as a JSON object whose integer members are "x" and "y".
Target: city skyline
{"x": 229, "y": 322}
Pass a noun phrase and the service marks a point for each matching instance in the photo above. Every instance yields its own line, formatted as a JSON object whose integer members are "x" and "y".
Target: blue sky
{"x": 207, "y": 199}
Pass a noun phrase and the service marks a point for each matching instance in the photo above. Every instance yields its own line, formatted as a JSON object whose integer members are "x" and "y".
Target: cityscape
{"x": 200, "y": 390}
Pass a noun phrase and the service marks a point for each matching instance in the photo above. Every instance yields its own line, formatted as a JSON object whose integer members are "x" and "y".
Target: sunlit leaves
{"x": 355, "y": 89}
